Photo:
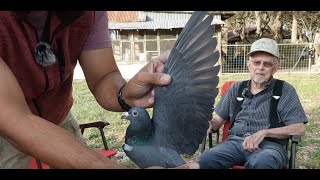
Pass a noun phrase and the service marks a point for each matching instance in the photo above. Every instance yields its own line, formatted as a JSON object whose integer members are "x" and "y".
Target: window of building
{"x": 151, "y": 34}
{"x": 138, "y": 35}
{"x": 167, "y": 34}
{"x": 125, "y": 35}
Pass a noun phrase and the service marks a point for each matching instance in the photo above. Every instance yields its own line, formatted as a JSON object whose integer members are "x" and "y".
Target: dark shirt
{"x": 254, "y": 115}
{"x": 99, "y": 36}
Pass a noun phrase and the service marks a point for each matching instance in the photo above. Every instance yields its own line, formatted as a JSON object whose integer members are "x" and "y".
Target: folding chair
{"x": 291, "y": 145}
{"x": 36, "y": 164}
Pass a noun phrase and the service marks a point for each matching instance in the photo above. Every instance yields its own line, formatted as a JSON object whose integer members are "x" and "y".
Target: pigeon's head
{"x": 139, "y": 119}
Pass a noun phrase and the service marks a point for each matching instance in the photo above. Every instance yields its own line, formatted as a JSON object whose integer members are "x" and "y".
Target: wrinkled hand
{"x": 251, "y": 143}
{"x": 139, "y": 90}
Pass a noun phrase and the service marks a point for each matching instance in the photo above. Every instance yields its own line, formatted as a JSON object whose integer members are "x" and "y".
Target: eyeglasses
{"x": 257, "y": 63}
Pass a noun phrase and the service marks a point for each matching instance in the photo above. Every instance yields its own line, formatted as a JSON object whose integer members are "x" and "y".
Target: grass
{"x": 86, "y": 109}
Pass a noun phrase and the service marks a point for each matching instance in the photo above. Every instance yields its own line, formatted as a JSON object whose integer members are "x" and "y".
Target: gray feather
{"x": 183, "y": 108}
{"x": 154, "y": 156}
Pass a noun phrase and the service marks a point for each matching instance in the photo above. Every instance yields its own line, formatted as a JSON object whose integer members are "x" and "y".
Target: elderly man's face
{"x": 262, "y": 66}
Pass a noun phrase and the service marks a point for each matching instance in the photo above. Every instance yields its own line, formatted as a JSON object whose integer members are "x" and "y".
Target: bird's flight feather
{"x": 183, "y": 108}
{"x": 188, "y": 100}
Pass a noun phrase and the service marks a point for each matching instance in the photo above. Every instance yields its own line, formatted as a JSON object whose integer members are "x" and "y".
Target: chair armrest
{"x": 98, "y": 124}
{"x": 295, "y": 138}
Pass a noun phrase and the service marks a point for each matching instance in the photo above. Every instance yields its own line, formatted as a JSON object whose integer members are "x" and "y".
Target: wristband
{"x": 121, "y": 101}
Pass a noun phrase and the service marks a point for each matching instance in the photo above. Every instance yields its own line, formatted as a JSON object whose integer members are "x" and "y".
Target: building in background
{"x": 139, "y": 36}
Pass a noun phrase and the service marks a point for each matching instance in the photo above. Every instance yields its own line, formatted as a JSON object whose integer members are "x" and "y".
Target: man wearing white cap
{"x": 263, "y": 113}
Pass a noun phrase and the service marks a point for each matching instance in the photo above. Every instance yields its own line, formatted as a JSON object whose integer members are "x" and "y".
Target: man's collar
{"x": 65, "y": 17}
{"x": 271, "y": 81}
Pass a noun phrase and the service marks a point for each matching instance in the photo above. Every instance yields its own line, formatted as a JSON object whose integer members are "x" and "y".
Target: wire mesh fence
{"x": 294, "y": 58}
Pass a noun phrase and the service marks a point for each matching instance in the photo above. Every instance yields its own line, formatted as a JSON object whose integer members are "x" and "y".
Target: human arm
{"x": 38, "y": 137}
{"x": 103, "y": 76}
{"x": 251, "y": 143}
{"x": 215, "y": 123}
{"x": 104, "y": 79}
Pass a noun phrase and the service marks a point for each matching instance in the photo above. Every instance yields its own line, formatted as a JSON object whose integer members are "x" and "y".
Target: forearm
{"x": 286, "y": 131}
{"x": 103, "y": 77}
{"x": 53, "y": 145}
{"x": 215, "y": 126}
{"x": 216, "y": 122}
{"x": 38, "y": 137}
{"x": 106, "y": 90}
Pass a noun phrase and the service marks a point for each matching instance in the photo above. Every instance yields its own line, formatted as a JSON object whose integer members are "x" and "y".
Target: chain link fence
{"x": 294, "y": 58}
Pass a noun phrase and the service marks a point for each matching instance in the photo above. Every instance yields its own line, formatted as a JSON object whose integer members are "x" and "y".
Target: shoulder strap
{"x": 45, "y": 36}
{"x": 277, "y": 92}
{"x": 273, "y": 115}
{"x": 239, "y": 101}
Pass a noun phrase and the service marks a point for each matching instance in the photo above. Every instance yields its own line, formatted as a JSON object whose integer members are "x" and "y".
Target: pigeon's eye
{"x": 135, "y": 113}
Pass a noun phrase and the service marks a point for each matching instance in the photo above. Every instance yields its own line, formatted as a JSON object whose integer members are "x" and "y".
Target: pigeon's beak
{"x": 125, "y": 115}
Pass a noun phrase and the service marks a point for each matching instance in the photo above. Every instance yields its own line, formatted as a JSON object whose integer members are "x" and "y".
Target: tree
{"x": 307, "y": 23}
{"x": 274, "y": 24}
{"x": 276, "y": 27}
{"x": 294, "y": 29}
{"x": 258, "y": 23}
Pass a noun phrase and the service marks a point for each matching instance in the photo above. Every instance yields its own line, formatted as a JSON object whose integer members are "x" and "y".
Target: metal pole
{"x": 310, "y": 55}
{"x": 309, "y": 65}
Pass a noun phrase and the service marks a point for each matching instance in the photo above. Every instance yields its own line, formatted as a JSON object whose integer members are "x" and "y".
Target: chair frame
{"x": 100, "y": 125}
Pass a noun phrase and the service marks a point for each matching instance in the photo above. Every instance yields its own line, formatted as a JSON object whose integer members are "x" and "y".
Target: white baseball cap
{"x": 266, "y": 45}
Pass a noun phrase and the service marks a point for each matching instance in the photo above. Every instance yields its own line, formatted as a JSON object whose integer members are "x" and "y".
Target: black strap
{"x": 273, "y": 115}
{"x": 121, "y": 101}
{"x": 45, "y": 36}
{"x": 239, "y": 101}
{"x": 277, "y": 92}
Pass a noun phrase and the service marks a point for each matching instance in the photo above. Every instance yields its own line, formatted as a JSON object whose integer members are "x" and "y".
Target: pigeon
{"x": 181, "y": 109}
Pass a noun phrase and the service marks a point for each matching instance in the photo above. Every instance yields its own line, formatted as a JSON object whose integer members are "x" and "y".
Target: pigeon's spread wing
{"x": 183, "y": 108}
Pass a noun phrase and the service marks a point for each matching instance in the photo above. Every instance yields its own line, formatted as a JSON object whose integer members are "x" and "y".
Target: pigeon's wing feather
{"x": 183, "y": 108}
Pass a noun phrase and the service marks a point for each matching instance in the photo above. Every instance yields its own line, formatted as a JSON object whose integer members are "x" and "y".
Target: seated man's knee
{"x": 267, "y": 159}
{"x": 211, "y": 160}
{"x": 205, "y": 160}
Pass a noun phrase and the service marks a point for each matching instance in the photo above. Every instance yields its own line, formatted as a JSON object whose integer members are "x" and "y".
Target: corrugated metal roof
{"x": 152, "y": 19}
{"x": 164, "y": 16}
{"x": 126, "y": 16}
{"x": 168, "y": 24}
